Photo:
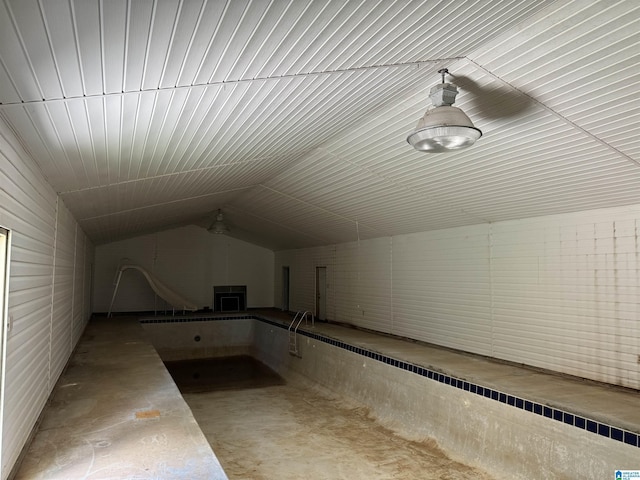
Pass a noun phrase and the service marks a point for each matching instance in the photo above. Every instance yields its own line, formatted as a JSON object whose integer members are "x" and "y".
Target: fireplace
{"x": 229, "y": 298}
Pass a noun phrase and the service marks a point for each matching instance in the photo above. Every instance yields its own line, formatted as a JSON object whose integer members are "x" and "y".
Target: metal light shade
{"x": 218, "y": 226}
{"x": 443, "y": 128}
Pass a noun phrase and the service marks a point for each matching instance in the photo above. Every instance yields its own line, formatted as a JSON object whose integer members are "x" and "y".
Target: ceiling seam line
{"x": 416, "y": 64}
{"x": 155, "y": 177}
{"x": 129, "y": 210}
{"x": 556, "y": 114}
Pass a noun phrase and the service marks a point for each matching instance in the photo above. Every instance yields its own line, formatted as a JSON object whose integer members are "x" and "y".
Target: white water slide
{"x": 165, "y": 292}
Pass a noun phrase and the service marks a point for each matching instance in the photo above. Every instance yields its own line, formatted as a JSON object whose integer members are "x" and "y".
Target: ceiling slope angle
{"x": 292, "y": 116}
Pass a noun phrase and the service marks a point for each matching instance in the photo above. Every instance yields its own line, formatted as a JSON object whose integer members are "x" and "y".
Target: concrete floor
{"x": 262, "y": 429}
{"x": 115, "y": 413}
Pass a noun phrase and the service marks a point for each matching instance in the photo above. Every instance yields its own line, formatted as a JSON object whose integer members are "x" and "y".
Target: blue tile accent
{"x": 604, "y": 430}
{"x": 617, "y": 434}
{"x": 568, "y": 418}
{"x": 630, "y": 438}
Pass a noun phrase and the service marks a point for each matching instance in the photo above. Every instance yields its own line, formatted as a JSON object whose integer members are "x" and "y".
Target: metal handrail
{"x": 295, "y": 324}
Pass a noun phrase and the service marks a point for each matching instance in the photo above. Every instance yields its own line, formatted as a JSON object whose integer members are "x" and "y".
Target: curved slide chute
{"x": 172, "y": 297}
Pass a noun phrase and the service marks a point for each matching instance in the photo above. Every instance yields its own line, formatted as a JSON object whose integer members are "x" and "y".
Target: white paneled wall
{"x": 558, "y": 292}
{"x": 61, "y": 326}
{"x": 363, "y": 272}
{"x": 566, "y": 293}
{"x": 189, "y": 260}
{"x": 47, "y": 304}
{"x": 302, "y": 278}
{"x": 441, "y": 288}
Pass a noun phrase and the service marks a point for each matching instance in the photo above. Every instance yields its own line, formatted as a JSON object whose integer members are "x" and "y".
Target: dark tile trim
{"x": 171, "y": 319}
{"x": 598, "y": 428}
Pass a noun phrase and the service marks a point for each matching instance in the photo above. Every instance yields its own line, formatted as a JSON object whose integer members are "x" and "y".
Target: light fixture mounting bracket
{"x": 443, "y": 72}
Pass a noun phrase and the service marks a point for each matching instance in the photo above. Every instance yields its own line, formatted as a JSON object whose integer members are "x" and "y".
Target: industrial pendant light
{"x": 218, "y": 226}
{"x": 443, "y": 128}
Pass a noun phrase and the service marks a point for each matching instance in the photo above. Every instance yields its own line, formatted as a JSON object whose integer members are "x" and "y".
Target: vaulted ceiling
{"x": 292, "y": 115}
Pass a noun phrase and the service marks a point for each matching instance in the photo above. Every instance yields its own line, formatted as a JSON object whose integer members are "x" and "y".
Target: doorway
{"x": 285, "y": 289}
{"x": 321, "y": 293}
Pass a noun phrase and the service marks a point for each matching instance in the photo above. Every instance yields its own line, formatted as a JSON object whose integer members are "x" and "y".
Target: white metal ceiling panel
{"x": 581, "y": 63}
{"x": 60, "y": 28}
{"x": 293, "y": 115}
{"x": 278, "y": 207}
{"x": 87, "y": 29}
{"x": 143, "y": 193}
{"x": 113, "y": 16}
{"x": 250, "y": 226}
{"x": 125, "y": 224}
{"x": 20, "y": 72}
{"x": 341, "y": 186}
{"x": 34, "y": 40}
{"x": 139, "y": 35}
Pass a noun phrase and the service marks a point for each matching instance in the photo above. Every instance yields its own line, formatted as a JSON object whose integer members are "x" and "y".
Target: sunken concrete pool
{"x": 352, "y": 404}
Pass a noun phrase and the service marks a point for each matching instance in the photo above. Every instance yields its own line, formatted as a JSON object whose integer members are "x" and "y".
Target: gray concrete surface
{"x": 606, "y": 403}
{"x": 104, "y": 423}
{"x": 262, "y": 429}
{"x": 505, "y": 441}
{"x": 117, "y": 414}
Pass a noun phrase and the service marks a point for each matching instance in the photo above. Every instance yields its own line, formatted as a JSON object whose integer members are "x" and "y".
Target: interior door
{"x": 321, "y": 293}
{"x": 285, "y": 289}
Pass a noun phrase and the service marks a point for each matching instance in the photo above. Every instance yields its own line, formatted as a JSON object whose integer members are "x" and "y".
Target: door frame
{"x": 321, "y": 294}
{"x": 286, "y": 288}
